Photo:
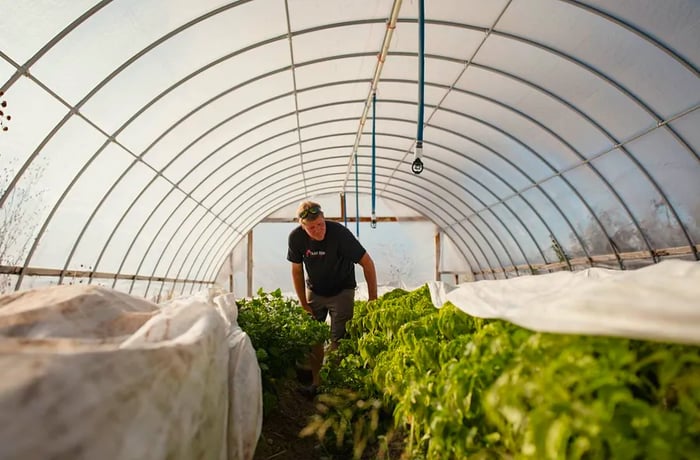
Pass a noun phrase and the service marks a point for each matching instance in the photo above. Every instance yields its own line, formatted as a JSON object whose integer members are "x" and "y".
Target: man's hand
{"x": 300, "y": 287}
{"x": 308, "y": 309}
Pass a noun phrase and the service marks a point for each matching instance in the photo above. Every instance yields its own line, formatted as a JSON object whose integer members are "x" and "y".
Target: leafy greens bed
{"x": 464, "y": 387}
{"x": 282, "y": 335}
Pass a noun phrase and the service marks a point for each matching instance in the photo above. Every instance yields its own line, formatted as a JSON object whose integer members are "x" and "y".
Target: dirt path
{"x": 280, "y": 433}
{"x": 280, "y": 438}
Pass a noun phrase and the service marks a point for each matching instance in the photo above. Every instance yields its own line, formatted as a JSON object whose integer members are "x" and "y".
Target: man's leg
{"x": 315, "y": 362}
{"x": 341, "y": 309}
{"x": 320, "y": 311}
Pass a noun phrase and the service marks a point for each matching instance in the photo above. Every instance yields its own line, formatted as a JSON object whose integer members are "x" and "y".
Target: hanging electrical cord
{"x": 357, "y": 201}
{"x": 374, "y": 160}
{"x": 417, "y": 166}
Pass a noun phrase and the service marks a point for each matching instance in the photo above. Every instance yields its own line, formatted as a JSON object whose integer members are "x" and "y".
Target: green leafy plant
{"x": 597, "y": 397}
{"x": 464, "y": 387}
{"x": 350, "y": 420}
{"x": 282, "y": 334}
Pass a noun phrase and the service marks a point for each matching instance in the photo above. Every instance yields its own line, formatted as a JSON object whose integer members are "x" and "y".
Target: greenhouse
{"x": 525, "y": 175}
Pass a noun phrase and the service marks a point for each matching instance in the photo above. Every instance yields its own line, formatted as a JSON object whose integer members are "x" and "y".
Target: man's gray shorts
{"x": 339, "y": 306}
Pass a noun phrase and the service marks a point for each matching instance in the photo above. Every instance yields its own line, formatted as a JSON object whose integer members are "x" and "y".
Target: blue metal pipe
{"x": 417, "y": 166}
{"x": 421, "y": 68}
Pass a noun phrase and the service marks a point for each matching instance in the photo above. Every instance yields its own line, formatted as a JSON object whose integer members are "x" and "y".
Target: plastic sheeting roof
{"x": 147, "y": 138}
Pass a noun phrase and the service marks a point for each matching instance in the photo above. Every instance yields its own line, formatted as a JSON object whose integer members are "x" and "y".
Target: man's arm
{"x": 300, "y": 286}
{"x": 370, "y": 275}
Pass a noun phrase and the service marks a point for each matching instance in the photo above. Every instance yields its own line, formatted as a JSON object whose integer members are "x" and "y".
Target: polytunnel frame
{"x": 273, "y": 192}
{"x": 272, "y": 206}
{"x": 171, "y": 264}
{"x": 75, "y": 109}
{"x": 287, "y": 186}
{"x": 407, "y": 201}
{"x": 165, "y": 167}
{"x": 227, "y": 119}
{"x": 660, "y": 122}
{"x": 587, "y": 161}
{"x": 427, "y": 192}
{"x": 502, "y": 157}
{"x": 485, "y": 206}
{"x": 473, "y": 239}
{"x": 256, "y": 160}
{"x": 597, "y": 173}
{"x": 246, "y": 166}
{"x": 561, "y": 140}
{"x": 159, "y": 174}
{"x": 336, "y": 103}
{"x": 221, "y": 221}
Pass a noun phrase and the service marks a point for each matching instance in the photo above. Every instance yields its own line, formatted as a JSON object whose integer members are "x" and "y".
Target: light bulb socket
{"x": 417, "y": 166}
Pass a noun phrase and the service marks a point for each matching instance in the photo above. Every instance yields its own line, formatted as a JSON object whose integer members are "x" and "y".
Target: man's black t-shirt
{"x": 330, "y": 264}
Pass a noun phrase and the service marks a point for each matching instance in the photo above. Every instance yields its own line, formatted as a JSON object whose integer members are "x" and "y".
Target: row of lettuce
{"x": 452, "y": 386}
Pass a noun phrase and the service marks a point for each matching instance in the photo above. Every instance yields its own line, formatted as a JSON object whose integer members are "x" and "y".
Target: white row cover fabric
{"x": 658, "y": 302}
{"x": 90, "y": 373}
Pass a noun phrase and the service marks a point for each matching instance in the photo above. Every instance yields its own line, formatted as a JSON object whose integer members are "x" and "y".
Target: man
{"x": 328, "y": 251}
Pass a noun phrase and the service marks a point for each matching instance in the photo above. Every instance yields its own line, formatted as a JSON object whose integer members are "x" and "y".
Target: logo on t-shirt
{"x": 310, "y": 253}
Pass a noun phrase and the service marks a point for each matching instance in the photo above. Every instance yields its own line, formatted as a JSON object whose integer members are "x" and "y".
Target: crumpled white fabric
{"x": 245, "y": 411}
{"x": 658, "y": 302}
{"x": 89, "y": 373}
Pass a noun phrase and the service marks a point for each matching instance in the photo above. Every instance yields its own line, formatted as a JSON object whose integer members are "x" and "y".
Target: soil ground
{"x": 280, "y": 438}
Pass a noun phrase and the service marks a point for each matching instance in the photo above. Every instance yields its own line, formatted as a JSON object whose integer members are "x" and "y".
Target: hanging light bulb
{"x": 417, "y": 166}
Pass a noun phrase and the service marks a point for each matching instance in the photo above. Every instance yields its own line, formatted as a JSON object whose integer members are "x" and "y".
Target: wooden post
{"x": 249, "y": 265}
{"x": 342, "y": 207}
{"x": 437, "y": 256}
